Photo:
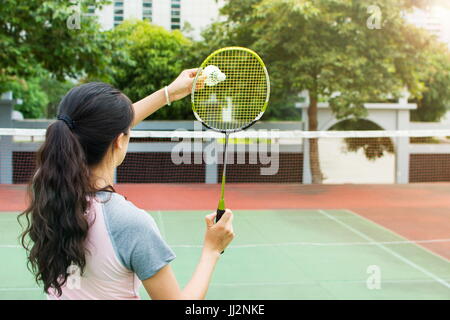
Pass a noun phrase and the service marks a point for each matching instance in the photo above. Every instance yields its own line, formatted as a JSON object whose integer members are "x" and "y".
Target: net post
{"x": 211, "y": 168}
{"x": 402, "y": 147}
{"x": 6, "y": 166}
{"x": 307, "y": 178}
{"x": 402, "y": 160}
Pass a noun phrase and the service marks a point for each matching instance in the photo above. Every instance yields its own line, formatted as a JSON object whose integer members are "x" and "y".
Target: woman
{"x": 88, "y": 242}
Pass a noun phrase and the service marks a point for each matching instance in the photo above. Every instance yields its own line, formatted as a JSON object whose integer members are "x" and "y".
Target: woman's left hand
{"x": 182, "y": 85}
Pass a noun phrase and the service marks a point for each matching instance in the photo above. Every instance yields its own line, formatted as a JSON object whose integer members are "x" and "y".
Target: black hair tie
{"x": 67, "y": 120}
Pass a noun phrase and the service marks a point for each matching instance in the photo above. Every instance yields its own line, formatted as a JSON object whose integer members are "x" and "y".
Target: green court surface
{"x": 282, "y": 254}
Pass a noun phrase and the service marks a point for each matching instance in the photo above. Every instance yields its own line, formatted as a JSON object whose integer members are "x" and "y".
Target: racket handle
{"x": 219, "y": 215}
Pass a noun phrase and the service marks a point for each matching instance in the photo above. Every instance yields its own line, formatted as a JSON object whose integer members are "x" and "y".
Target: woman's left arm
{"x": 177, "y": 90}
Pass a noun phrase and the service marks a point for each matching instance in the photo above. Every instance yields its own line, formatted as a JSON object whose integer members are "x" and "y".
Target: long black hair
{"x": 91, "y": 117}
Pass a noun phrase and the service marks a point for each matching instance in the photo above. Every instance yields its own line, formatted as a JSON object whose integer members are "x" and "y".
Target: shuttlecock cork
{"x": 213, "y": 75}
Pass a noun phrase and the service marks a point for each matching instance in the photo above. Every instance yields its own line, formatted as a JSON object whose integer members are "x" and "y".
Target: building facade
{"x": 190, "y": 15}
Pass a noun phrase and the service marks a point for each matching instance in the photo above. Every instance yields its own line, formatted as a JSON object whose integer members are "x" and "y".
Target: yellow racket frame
{"x": 206, "y": 62}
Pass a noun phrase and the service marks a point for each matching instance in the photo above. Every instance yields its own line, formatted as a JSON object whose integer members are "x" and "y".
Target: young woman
{"x": 85, "y": 241}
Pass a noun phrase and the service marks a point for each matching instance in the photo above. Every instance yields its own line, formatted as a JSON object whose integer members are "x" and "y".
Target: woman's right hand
{"x": 218, "y": 235}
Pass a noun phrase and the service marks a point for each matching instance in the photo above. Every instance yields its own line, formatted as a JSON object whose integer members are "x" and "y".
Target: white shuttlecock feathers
{"x": 213, "y": 75}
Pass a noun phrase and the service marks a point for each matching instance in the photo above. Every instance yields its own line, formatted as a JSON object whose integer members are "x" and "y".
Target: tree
{"x": 435, "y": 101}
{"x": 40, "y": 95}
{"x": 55, "y": 90}
{"x": 373, "y": 148}
{"x": 146, "y": 58}
{"x": 327, "y": 48}
{"x": 34, "y": 100}
{"x": 34, "y": 35}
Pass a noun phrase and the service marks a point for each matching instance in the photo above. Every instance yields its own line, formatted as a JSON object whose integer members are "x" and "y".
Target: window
{"x": 91, "y": 10}
{"x": 175, "y": 14}
{"x": 118, "y": 12}
{"x": 147, "y": 9}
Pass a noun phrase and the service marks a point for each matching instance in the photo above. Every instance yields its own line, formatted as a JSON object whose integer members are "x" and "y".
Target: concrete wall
{"x": 389, "y": 116}
{"x": 443, "y": 124}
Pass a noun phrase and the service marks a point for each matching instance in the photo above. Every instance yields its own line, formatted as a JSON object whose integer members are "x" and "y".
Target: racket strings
{"x": 240, "y": 99}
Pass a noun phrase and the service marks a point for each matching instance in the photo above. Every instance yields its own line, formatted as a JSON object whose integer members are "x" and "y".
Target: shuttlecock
{"x": 213, "y": 75}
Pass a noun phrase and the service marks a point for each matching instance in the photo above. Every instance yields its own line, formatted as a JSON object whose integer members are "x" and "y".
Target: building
{"x": 192, "y": 15}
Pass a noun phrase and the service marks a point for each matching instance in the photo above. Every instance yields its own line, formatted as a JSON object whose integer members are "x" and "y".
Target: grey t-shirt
{"x": 135, "y": 236}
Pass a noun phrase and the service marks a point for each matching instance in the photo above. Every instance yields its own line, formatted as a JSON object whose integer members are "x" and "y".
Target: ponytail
{"x": 60, "y": 191}
{"x": 57, "y": 228}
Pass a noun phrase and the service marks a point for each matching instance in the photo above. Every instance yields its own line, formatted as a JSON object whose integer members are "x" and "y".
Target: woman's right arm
{"x": 163, "y": 285}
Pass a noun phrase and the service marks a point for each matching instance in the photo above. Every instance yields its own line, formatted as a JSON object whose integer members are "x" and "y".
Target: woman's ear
{"x": 121, "y": 142}
{"x": 120, "y": 147}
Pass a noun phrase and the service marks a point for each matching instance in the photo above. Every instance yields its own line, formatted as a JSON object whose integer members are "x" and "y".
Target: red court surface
{"x": 414, "y": 211}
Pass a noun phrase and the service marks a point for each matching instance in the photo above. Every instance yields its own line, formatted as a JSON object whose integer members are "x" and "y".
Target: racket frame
{"x": 227, "y": 132}
{"x": 205, "y": 64}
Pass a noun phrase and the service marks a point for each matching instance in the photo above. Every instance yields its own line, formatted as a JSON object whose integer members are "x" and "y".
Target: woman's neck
{"x": 102, "y": 176}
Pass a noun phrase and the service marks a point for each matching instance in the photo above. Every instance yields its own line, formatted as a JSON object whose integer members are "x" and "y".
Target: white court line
{"x": 20, "y": 289}
{"x": 335, "y": 244}
{"x": 291, "y": 283}
{"x": 275, "y": 283}
{"x": 395, "y": 254}
{"x": 317, "y": 244}
{"x": 397, "y": 235}
{"x": 161, "y": 222}
{"x": 295, "y": 244}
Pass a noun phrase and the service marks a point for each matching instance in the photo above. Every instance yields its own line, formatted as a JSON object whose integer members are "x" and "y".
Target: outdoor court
{"x": 292, "y": 241}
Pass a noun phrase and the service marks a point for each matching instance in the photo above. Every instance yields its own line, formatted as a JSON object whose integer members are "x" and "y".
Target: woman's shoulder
{"x": 121, "y": 213}
{"x": 135, "y": 236}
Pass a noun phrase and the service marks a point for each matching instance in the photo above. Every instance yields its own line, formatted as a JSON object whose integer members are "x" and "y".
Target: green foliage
{"x": 373, "y": 148}
{"x": 40, "y": 95}
{"x": 326, "y": 47}
{"x": 34, "y": 35}
{"x": 355, "y": 125}
{"x": 145, "y": 59}
{"x": 435, "y": 102}
{"x": 55, "y": 90}
{"x": 34, "y": 100}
